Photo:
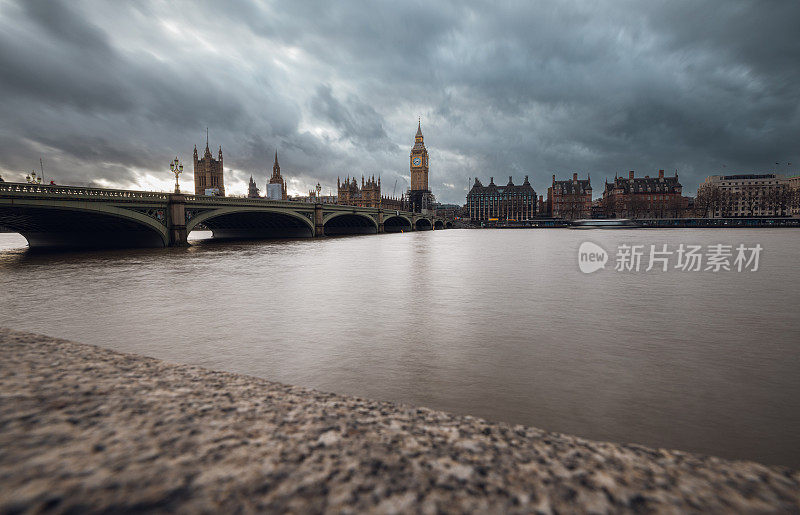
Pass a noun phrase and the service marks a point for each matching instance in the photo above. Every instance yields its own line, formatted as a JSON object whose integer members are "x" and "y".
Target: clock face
{"x": 417, "y": 161}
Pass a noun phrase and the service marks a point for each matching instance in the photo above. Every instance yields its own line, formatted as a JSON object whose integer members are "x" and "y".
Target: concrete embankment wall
{"x": 87, "y": 429}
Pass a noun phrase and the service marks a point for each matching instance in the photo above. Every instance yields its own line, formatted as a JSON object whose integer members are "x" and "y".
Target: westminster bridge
{"x": 69, "y": 216}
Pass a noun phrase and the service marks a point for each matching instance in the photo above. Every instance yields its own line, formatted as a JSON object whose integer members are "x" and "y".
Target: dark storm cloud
{"x": 356, "y": 120}
{"x": 109, "y": 93}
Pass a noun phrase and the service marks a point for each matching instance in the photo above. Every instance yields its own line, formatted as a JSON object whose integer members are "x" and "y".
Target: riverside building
{"x": 507, "y": 203}
{"x": 644, "y": 197}
{"x": 747, "y": 195}
{"x": 570, "y": 199}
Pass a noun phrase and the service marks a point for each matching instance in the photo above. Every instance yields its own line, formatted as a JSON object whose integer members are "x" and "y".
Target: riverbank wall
{"x": 656, "y": 223}
{"x": 86, "y": 429}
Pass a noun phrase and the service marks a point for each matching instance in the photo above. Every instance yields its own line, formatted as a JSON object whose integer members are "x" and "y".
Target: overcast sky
{"x": 107, "y": 93}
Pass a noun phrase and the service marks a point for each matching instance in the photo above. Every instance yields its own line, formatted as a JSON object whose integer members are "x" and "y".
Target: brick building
{"x": 208, "y": 176}
{"x": 644, "y": 197}
{"x": 570, "y": 199}
{"x": 419, "y": 195}
{"x": 509, "y": 202}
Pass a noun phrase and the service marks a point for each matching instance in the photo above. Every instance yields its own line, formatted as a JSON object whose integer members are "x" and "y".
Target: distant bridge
{"x": 69, "y": 216}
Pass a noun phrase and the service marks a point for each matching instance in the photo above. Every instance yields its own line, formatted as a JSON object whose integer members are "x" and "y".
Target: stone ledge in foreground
{"x": 88, "y": 429}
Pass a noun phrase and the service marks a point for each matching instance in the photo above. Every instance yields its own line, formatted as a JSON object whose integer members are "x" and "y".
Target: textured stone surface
{"x": 88, "y": 429}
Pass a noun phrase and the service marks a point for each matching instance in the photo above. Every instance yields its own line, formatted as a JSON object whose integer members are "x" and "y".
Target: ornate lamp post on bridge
{"x": 32, "y": 179}
{"x": 177, "y": 169}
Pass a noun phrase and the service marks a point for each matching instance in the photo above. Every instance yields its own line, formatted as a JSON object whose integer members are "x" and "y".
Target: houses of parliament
{"x": 208, "y": 176}
{"x": 208, "y": 180}
{"x": 418, "y": 196}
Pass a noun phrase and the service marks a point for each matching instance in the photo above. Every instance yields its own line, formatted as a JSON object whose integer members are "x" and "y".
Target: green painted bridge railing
{"x": 79, "y": 191}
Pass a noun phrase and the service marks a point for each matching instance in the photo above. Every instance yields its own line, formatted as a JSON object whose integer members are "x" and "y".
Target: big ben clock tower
{"x": 419, "y": 163}
{"x": 419, "y": 195}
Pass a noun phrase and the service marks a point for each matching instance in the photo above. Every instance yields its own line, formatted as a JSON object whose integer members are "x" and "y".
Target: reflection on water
{"x": 499, "y": 324}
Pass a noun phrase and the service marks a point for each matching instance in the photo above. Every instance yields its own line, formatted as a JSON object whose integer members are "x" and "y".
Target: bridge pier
{"x": 176, "y": 223}
{"x": 381, "y": 228}
{"x": 319, "y": 226}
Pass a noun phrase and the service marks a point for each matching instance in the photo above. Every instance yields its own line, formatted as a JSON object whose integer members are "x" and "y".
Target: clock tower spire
{"x": 419, "y": 195}
{"x": 419, "y": 162}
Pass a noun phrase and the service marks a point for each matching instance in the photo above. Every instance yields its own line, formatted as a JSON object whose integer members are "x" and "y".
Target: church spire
{"x": 277, "y": 179}
{"x": 419, "y": 127}
{"x": 276, "y": 168}
{"x": 208, "y": 151}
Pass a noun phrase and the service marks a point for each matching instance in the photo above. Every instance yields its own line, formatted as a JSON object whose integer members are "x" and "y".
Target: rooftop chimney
{"x": 574, "y": 177}
{"x": 661, "y": 174}
{"x": 631, "y": 175}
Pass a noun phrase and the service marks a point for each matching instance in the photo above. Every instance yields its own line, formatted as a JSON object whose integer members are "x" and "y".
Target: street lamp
{"x": 177, "y": 169}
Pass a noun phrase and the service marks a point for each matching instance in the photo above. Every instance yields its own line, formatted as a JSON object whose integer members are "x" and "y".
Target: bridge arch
{"x": 91, "y": 225}
{"x": 448, "y": 225}
{"x": 349, "y": 223}
{"x": 423, "y": 224}
{"x": 438, "y": 224}
{"x": 253, "y": 223}
{"x": 396, "y": 223}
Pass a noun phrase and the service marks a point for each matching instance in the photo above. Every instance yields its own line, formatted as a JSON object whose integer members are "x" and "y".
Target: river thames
{"x": 500, "y": 324}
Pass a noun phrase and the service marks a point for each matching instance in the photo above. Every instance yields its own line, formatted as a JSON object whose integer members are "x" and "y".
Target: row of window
{"x": 503, "y": 197}
{"x": 202, "y": 180}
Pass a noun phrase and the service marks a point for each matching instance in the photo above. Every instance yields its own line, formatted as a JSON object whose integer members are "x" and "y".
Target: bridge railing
{"x": 203, "y": 199}
{"x": 79, "y": 191}
{"x": 104, "y": 193}
{"x": 212, "y": 200}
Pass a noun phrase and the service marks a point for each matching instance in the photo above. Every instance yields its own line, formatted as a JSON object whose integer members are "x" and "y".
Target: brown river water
{"x": 500, "y": 324}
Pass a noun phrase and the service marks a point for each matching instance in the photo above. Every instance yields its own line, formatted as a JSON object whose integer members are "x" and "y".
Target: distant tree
{"x": 751, "y": 200}
{"x": 782, "y": 200}
{"x": 636, "y": 206}
{"x": 675, "y": 206}
{"x": 793, "y": 197}
{"x": 574, "y": 209}
{"x": 723, "y": 201}
{"x": 609, "y": 209}
{"x": 702, "y": 202}
{"x": 711, "y": 200}
{"x": 659, "y": 209}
